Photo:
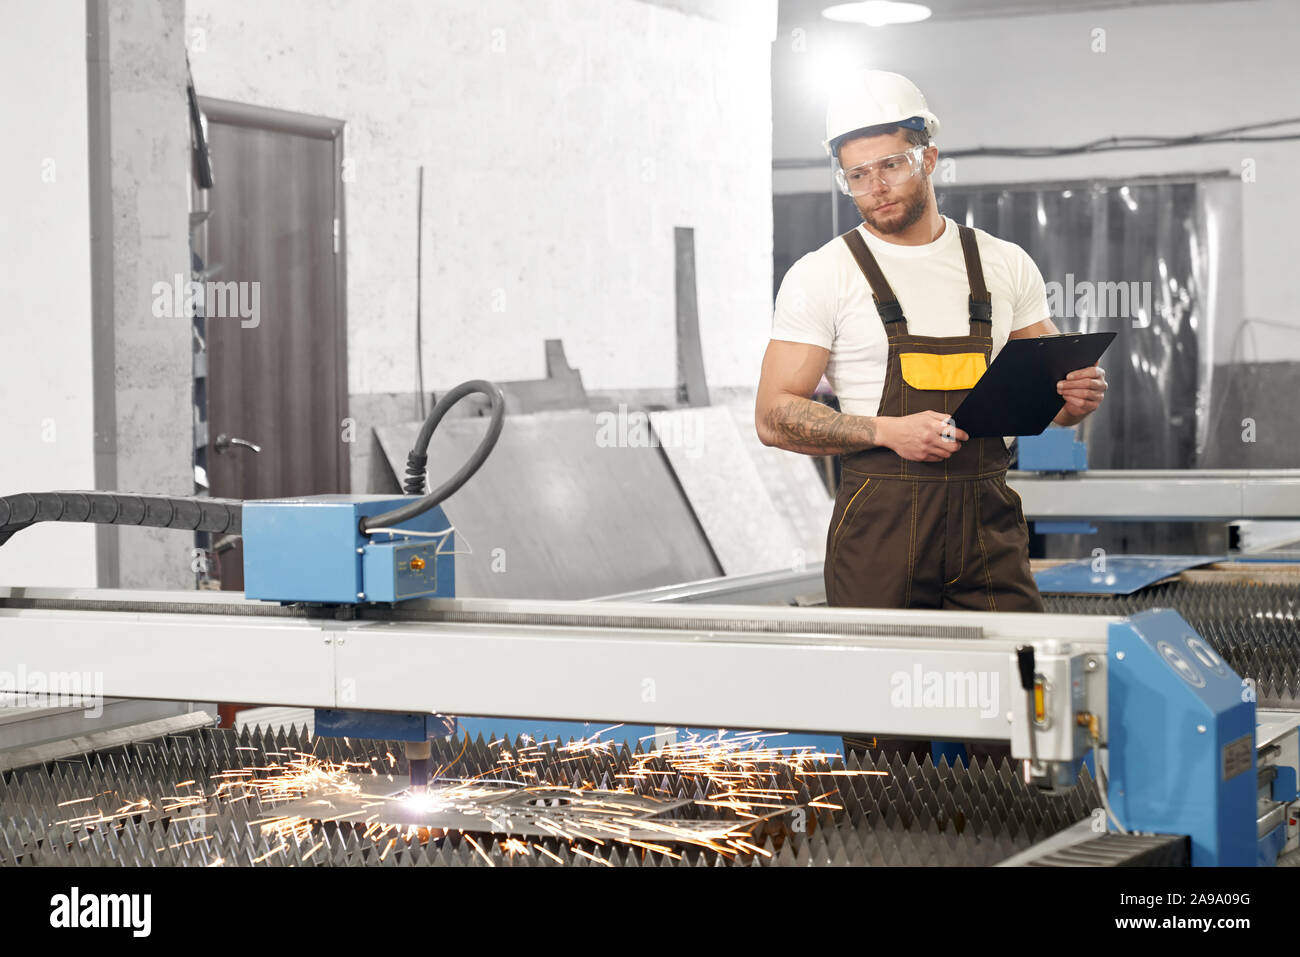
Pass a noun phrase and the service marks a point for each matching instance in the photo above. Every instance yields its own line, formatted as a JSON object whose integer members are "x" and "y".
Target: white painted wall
{"x": 46, "y": 437}
{"x": 1032, "y": 81}
{"x": 562, "y": 142}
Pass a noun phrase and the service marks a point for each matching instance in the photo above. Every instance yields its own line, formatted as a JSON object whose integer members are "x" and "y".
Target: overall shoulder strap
{"x": 891, "y": 313}
{"x": 981, "y": 303}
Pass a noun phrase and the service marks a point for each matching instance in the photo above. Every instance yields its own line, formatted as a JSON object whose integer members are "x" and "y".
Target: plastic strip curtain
{"x": 1152, "y": 261}
{"x": 1130, "y": 259}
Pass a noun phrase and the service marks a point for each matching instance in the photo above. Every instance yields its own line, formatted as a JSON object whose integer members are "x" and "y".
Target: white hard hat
{"x": 876, "y": 98}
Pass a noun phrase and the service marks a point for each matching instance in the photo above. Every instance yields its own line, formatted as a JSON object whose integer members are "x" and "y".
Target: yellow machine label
{"x": 923, "y": 370}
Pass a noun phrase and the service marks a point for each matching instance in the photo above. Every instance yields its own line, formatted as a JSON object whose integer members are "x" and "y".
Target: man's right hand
{"x": 920, "y": 437}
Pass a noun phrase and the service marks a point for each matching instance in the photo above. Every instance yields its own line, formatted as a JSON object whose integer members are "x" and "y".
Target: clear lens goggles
{"x": 890, "y": 170}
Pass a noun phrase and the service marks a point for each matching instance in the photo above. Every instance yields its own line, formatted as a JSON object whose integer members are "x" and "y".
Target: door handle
{"x": 225, "y": 441}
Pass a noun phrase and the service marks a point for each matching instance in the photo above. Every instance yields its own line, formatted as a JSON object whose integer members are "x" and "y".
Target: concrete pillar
{"x": 144, "y": 425}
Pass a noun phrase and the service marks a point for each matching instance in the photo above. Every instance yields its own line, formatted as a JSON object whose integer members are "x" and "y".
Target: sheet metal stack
{"x": 128, "y": 806}
{"x": 1255, "y": 626}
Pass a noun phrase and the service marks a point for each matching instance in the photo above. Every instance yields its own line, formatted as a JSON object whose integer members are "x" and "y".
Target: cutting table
{"x": 1191, "y": 760}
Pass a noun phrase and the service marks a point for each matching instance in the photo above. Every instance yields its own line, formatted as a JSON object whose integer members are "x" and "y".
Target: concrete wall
{"x": 153, "y": 375}
{"x": 1034, "y": 81}
{"x": 562, "y": 143}
{"x": 46, "y": 377}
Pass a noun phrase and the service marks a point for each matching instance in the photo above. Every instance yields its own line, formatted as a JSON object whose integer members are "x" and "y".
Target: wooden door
{"x": 276, "y": 340}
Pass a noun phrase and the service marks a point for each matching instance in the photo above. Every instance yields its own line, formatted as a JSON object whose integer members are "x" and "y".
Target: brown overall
{"x": 947, "y": 534}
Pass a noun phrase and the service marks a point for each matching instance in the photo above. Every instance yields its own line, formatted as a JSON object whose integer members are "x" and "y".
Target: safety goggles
{"x": 890, "y": 170}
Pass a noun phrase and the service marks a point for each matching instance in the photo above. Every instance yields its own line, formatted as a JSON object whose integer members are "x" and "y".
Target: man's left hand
{"x": 1082, "y": 390}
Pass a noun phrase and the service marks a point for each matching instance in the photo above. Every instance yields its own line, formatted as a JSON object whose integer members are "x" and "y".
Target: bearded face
{"x": 898, "y": 208}
{"x": 887, "y": 209}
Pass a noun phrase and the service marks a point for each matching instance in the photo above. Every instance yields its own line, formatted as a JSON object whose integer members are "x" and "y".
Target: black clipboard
{"x": 1017, "y": 393}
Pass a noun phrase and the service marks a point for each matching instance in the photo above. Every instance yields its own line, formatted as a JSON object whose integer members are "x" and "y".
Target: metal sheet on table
{"x": 540, "y": 811}
{"x": 729, "y": 498}
{"x": 1115, "y": 574}
{"x": 558, "y": 511}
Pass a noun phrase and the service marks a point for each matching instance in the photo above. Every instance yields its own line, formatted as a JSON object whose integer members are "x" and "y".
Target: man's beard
{"x": 913, "y": 208}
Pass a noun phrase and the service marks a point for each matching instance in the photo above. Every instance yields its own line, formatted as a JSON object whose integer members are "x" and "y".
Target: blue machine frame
{"x": 1182, "y": 739}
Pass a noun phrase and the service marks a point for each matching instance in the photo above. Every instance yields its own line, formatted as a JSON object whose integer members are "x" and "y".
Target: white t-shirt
{"x": 825, "y": 301}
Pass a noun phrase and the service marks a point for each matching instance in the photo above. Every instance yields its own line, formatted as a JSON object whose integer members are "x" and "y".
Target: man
{"x": 902, "y": 315}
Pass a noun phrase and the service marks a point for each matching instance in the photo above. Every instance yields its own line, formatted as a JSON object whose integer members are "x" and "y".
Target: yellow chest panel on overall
{"x": 927, "y": 370}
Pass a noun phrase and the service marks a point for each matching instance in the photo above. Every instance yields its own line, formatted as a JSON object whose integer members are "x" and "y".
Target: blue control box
{"x": 311, "y": 549}
{"x": 401, "y": 569}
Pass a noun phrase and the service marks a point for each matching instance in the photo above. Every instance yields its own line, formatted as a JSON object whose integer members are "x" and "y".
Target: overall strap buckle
{"x": 981, "y": 303}
{"x": 891, "y": 313}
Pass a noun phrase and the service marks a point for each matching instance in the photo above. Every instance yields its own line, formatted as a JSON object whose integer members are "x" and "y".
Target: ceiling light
{"x": 877, "y": 13}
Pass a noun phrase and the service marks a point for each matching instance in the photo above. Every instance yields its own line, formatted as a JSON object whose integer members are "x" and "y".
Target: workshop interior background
{"x": 592, "y": 202}
{"x": 249, "y": 246}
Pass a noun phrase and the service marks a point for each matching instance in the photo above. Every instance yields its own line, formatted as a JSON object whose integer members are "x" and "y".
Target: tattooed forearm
{"x": 802, "y": 425}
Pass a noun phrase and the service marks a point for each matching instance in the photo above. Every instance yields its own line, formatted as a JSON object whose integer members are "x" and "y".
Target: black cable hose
{"x": 418, "y": 457}
{"x": 24, "y": 509}
{"x": 225, "y": 516}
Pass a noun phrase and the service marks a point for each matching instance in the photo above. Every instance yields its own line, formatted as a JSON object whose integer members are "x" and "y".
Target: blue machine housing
{"x": 1054, "y": 450}
{"x": 383, "y": 725}
{"x": 311, "y": 549}
{"x": 1182, "y": 739}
